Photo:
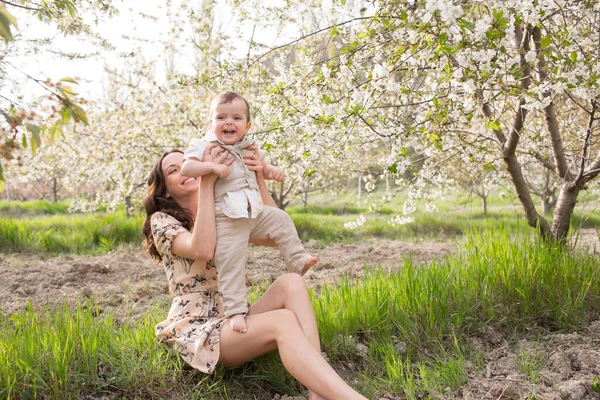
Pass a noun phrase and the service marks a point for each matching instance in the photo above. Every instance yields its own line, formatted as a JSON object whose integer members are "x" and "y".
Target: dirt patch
{"x": 345, "y": 260}
{"x": 562, "y": 366}
{"x": 129, "y": 277}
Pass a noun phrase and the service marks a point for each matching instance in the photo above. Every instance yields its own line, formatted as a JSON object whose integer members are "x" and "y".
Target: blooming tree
{"x": 454, "y": 78}
{"x": 28, "y": 122}
{"x": 509, "y": 88}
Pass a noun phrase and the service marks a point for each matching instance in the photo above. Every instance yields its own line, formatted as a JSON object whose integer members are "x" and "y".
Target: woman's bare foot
{"x": 311, "y": 261}
{"x": 238, "y": 323}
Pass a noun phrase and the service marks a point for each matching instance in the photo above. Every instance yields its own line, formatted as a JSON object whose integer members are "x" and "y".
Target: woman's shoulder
{"x": 163, "y": 217}
{"x": 165, "y": 224}
{"x": 165, "y": 228}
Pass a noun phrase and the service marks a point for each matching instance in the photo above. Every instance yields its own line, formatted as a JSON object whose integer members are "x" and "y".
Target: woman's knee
{"x": 286, "y": 321}
{"x": 291, "y": 284}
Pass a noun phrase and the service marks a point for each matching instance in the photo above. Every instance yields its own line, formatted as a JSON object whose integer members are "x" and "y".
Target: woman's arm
{"x": 200, "y": 244}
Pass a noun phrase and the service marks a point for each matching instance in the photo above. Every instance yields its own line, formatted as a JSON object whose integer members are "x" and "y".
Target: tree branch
{"x": 307, "y": 36}
{"x": 39, "y": 82}
{"x": 12, "y": 102}
{"x": 250, "y": 45}
{"x": 551, "y": 120}
{"x": 586, "y": 144}
{"x": 544, "y": 160}
{"x": 515, "y": 134}
{"x": 20, "y": 6}
{"x": 594, "y": 170}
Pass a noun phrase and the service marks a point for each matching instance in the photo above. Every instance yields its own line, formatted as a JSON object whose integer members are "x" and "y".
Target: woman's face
{"x": 178, "y": 186}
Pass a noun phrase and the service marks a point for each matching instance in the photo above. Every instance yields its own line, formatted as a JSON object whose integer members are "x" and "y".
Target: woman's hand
{"x": 217, "y": 156}
{"x": 254, "y": 161}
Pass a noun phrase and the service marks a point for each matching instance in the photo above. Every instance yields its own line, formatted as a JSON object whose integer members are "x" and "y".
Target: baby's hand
{"x": 238, "y": 323}
{"x": 221, "y": 170}
{"x": 275, "y": 174}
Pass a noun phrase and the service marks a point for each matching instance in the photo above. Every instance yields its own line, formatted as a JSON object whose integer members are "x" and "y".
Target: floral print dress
{"x": 194, "y": 321}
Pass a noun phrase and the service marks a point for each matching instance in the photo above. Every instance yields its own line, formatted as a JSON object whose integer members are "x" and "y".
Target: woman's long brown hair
{"x": 156, "y": 200}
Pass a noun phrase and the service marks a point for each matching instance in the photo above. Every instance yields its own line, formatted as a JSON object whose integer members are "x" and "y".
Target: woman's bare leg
{"x": 280, "y": 329}
{"x": 289, "y": 291}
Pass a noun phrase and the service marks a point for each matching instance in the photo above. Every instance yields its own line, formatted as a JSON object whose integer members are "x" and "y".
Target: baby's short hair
{"x": 226, "y": 98}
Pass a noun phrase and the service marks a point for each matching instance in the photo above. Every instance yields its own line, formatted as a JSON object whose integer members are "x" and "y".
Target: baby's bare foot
{"x": 238, "y": 323}
{"x": 311, "y": 261}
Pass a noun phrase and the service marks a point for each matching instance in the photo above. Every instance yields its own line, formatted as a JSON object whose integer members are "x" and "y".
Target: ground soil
{"x": 126, "y": 282}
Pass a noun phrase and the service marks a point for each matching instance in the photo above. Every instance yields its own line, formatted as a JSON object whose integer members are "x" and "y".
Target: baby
{"x": 240, "y": 215}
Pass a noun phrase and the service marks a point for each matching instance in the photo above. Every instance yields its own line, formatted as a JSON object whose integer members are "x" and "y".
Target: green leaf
{"x": 54, "y": 131}
{"x": 24, "y": 141}
{"x": 489, "y": 167}
{"x": 546, "y": 41}
{"x": 494, "y": 34}
{"x": 326, "y": 120}
{"x": 68, "y": 79}
{"x": 68, "y": 89}
{"x": 493, "y": 124}
{"x": 467, "y": 25}
{"x": 81, "y": 115}
{"x": 33, "y": 129}
{"x": 35, "y": 138}
{"x": 6, "y": 20}
{"x": 573, "y": 56}
{"x": 1, "y": 177}
{"x": 435, "y": 139}
{"x": 334, "y": 31}
{"x": 326, "y": 99}
{"x": 66, "y": 115}
{"x": 343, "y": 2}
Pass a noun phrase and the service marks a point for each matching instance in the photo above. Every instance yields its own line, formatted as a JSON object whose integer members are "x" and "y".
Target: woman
{"x": 180, "y": 232}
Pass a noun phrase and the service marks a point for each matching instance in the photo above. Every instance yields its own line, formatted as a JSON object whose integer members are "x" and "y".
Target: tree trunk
{"x": 54, "y": 190}
{"x": 127, "y": 206}
{"x": 565, "y": 205}
{"x": 534, "y": 219}
{"x": 7, "y": 190}
{"x": 484, "y": 198}
{"x": 280, "y": 197}
{"x": 548, "y": 202}
{"x": 548, "y": 193}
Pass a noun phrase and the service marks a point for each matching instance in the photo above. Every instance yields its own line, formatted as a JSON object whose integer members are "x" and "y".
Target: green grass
{"x": 530, "y": 364}
{"x": 45, "y": 227}
{"x": 508, "y": 284}
{"x": 501, "y": 280}
{"x": 98, "y": 233}
{"x": 69, "y": 233}
{"x": 432, "y": 226}
{"x": 33, "y": 207}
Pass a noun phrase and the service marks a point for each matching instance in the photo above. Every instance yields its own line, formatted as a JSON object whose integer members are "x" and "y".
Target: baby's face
{"x": 229, "y": 121}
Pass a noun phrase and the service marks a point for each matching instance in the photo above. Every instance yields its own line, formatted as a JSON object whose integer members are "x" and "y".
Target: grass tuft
{"x": 500, "y": 280}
